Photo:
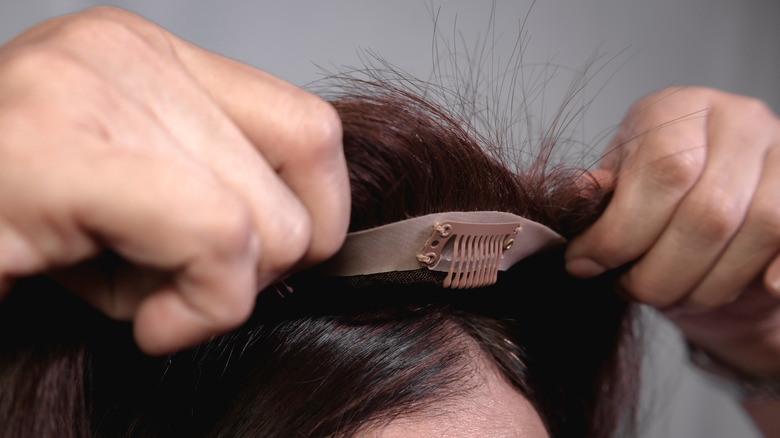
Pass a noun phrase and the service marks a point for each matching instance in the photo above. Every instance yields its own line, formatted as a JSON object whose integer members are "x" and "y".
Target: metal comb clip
{"x": 473, "y": 251}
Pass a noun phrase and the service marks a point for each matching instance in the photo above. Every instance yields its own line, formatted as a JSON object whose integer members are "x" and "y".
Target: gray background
{"x": 730, "y": 45}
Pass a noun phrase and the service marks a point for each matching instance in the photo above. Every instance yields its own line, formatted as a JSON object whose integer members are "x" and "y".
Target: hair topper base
{"x": 484, "y": 238}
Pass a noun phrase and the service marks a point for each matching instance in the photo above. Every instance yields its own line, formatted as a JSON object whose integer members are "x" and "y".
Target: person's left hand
{"x": 695, "y": 212}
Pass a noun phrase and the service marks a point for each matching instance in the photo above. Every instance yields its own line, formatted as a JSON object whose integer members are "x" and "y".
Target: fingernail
{"x": 584, "y": 268}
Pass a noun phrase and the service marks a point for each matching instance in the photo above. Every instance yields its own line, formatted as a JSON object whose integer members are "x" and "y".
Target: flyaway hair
{"x": 329, "y": 356}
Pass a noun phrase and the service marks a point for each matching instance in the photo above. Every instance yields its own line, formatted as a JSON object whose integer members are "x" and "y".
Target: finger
{"x": 295, "y": 131}
{"x": 19, "y": 257}
{"x": 298, "y": 133}
{"x": 199, "y": 232}
{"x": 708, "y": 217}
{"x": 283, "y": 224}
{"x": 204, "y": 235}
{"x": 112, "y": 285}
{"x": 660, "y": 164}
{"x": 175, "y": 219}
{"x": 206, "y": 299}
{"x": 756, "y": 243}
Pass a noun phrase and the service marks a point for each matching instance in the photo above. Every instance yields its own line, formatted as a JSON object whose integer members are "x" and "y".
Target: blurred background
{"x": 619, "y": 49}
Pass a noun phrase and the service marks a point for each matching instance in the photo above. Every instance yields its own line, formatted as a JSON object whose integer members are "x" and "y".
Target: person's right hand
{"x": 207, "y": 178}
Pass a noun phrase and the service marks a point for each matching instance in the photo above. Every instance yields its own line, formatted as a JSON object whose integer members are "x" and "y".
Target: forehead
{"x": 491, "y": 407}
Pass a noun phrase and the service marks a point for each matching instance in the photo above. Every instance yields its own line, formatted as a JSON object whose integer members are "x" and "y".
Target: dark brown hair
{"x": 326, "y": 356}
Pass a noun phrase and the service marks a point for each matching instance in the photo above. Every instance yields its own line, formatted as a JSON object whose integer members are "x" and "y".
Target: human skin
{"x": 490, "y": 408}
{"x": 696, "y": 174}
{"x": 695, "y": 218}
{"x": 210, "y": 179}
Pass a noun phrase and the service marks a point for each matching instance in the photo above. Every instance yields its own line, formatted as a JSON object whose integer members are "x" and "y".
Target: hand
{"x": 695, "y": 213}
{"x": 208, "y": 179}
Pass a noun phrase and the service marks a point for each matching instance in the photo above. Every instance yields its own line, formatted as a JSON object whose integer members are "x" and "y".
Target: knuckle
{"x": 40, "y": 65}
{"x": 320, "y": 130}
{"x": 755, "y": 109}
{"x": 754, "y": 120}
{"x": 230, "y": 311}
{"x": 327, "y": 246}
{"x": 322, "y": 209}
{"x": 640, "y": 283}
{"x": 676, "y": 170}
{"x": 88, "y": 26}
{"x": 222, "y": 226}
{"x": 231, "y": 246}
{"x": 111, "y": 27}
{"x": 230, "y": 231}
{"x": 299, "y": 228}
{"x": 289, "y": 245}
{"x": 716, "y": 214}
{"x": 228, "y": 306}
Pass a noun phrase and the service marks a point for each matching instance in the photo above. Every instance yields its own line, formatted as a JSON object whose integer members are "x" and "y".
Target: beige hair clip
{"x": 471, "y": 247}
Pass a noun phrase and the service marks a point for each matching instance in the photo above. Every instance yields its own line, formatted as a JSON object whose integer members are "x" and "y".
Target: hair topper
{"x": 471, "y": 247}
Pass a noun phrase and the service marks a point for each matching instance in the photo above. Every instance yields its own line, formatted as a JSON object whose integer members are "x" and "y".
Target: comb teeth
{"x": 473, "y": 250}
